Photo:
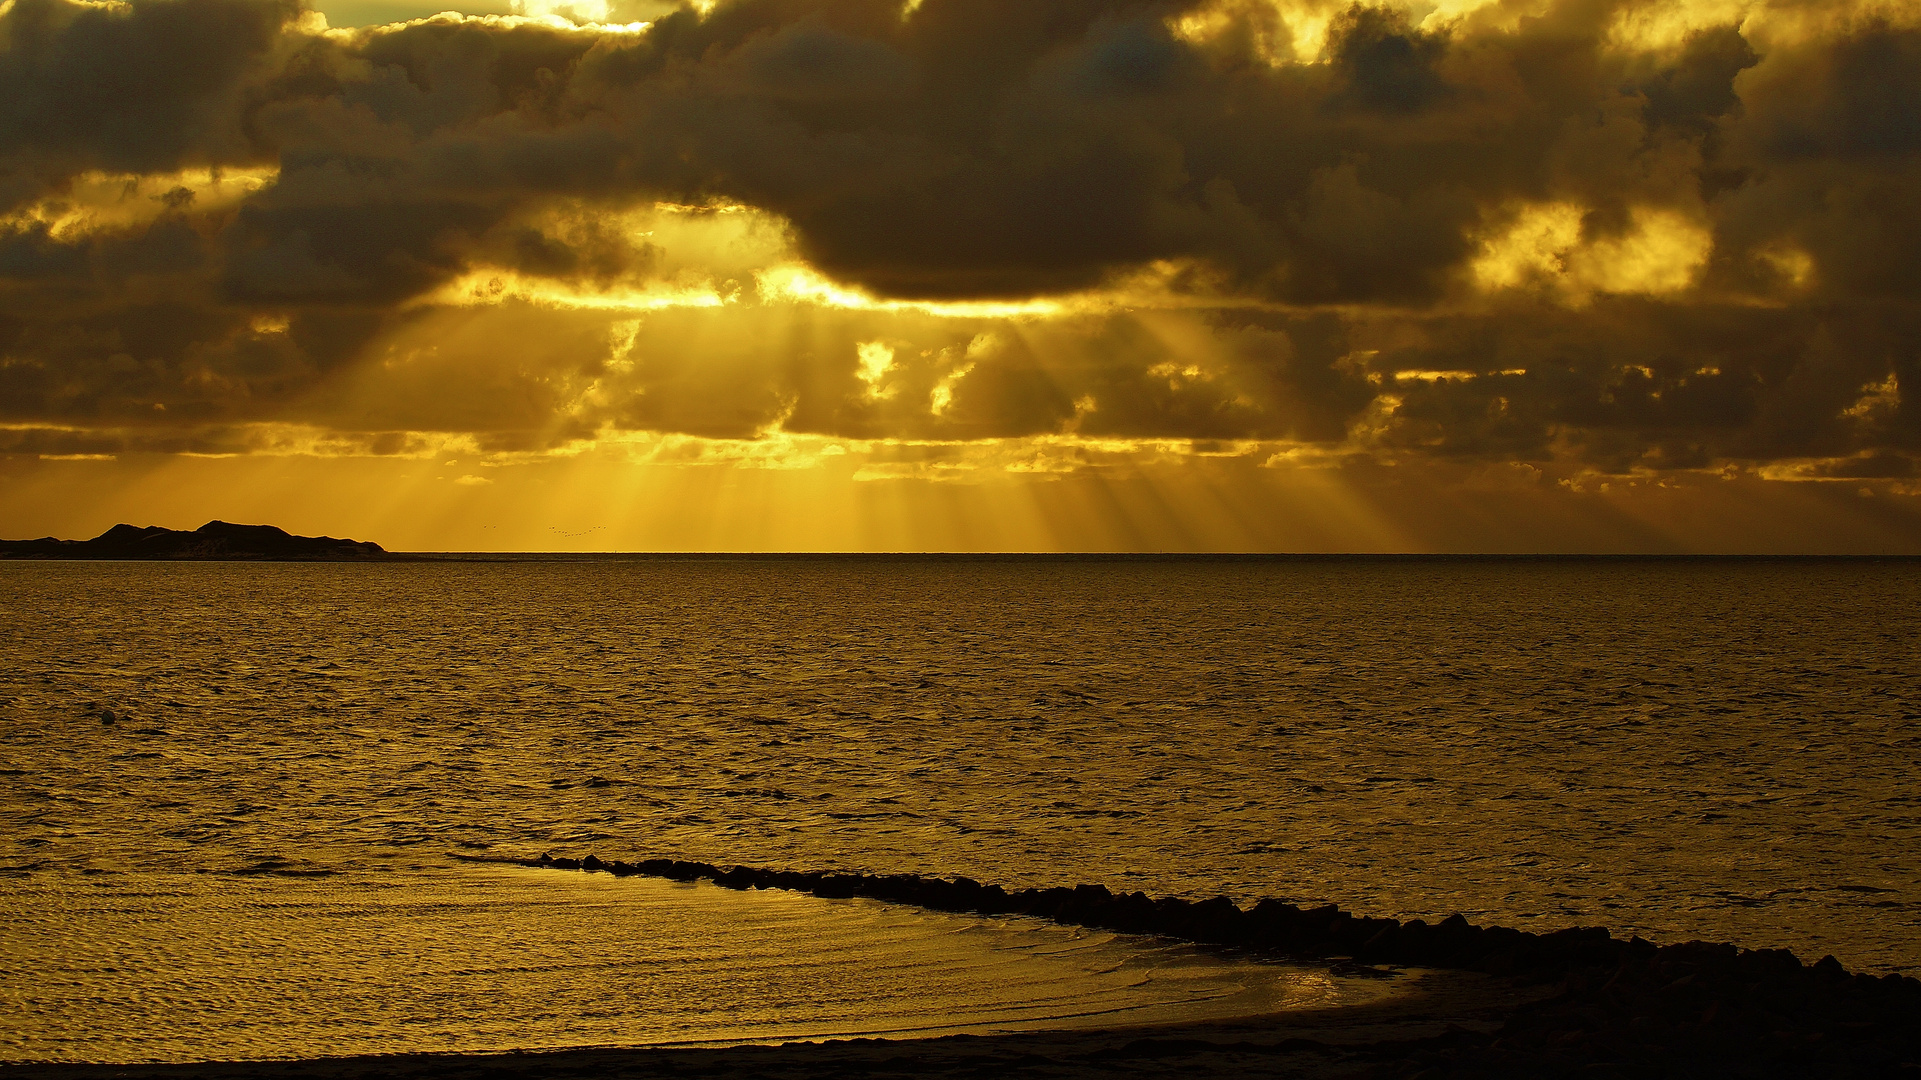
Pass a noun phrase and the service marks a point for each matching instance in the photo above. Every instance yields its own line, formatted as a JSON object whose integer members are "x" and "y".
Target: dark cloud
{"x": 1385, "y": 64}
{"x": 1331, "y": 213}
{"x": 1695, "y": 91}
{"x": 153, "y": 86}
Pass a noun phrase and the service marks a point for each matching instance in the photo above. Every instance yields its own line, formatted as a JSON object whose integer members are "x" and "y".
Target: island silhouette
{"x": 212, "y": 541}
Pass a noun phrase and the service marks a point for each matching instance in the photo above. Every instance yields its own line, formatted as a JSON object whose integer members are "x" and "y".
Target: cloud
{"x": 1618, "y": 237}
{"x": 133, "y": 88}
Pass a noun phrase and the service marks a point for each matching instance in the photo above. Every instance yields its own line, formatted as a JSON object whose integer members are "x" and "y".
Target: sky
{"x": 967, "y": 275}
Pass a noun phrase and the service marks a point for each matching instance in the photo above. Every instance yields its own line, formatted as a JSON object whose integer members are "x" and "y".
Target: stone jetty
{"x": 1623, "y": 1007}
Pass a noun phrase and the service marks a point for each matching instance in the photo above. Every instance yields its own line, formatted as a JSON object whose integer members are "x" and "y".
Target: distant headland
{"x": 213, "y": 541}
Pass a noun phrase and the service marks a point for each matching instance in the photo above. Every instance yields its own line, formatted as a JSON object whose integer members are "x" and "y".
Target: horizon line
{"x": 1173, "y": 556}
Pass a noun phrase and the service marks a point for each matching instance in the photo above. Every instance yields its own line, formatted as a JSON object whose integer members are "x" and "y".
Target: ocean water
{"x": 1680, "y": 750}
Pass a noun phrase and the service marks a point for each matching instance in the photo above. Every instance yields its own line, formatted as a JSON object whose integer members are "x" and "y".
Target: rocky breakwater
{"x": 1624, "y": 1008}
{"x": 216, "y": 540}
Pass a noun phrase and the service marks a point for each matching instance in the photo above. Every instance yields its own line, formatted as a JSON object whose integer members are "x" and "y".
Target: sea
{"x": 268, "y": 852}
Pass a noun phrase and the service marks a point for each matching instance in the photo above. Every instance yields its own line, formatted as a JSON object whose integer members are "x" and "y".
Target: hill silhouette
{"x": 214, "y": 540}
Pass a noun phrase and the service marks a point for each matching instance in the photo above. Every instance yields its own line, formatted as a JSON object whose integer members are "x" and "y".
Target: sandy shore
{"x": 1474, "y": 1002}
{"x": 1438, "y": 1010}
{"x": 1591, "y": 1024}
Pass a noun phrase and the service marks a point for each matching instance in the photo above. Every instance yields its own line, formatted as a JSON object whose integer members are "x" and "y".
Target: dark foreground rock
{"x": 1615, "y": 1008}
{"x": 214, "y": 540}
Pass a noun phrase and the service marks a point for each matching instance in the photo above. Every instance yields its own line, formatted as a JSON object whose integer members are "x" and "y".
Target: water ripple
{"x": 1679, "y": 751}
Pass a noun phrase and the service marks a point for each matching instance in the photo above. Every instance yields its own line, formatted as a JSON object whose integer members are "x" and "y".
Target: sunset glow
{"x": 1384, "y": 262}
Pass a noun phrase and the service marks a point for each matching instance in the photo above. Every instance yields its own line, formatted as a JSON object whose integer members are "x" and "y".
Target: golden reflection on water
{"x": 1679, "y": 751}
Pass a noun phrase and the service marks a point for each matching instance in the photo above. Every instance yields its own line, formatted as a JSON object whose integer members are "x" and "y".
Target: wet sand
{"x": 1465, "y": 1001}
{"x": 1438, "y": 1010}
{"x": 1591, "y": 1024}
{"x": 1694, "y": 1010}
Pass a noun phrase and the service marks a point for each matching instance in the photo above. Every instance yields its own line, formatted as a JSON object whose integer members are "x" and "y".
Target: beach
{"x": 1493, "y": 1002}
{"x": 1449, "y": 1025}
{"x": 245, "y": 801}
{"x": 1312, "y": 1044}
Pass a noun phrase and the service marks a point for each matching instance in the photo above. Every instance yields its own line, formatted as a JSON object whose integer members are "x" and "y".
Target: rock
{"x": 737, "y": 878}
{"x": 1218, "y": 921}
{"x": 1768, "y": 963}
{"x": 836, "y": 887}
{"x": 1623, "y": 996}
{"x": 1133, "y": 913}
